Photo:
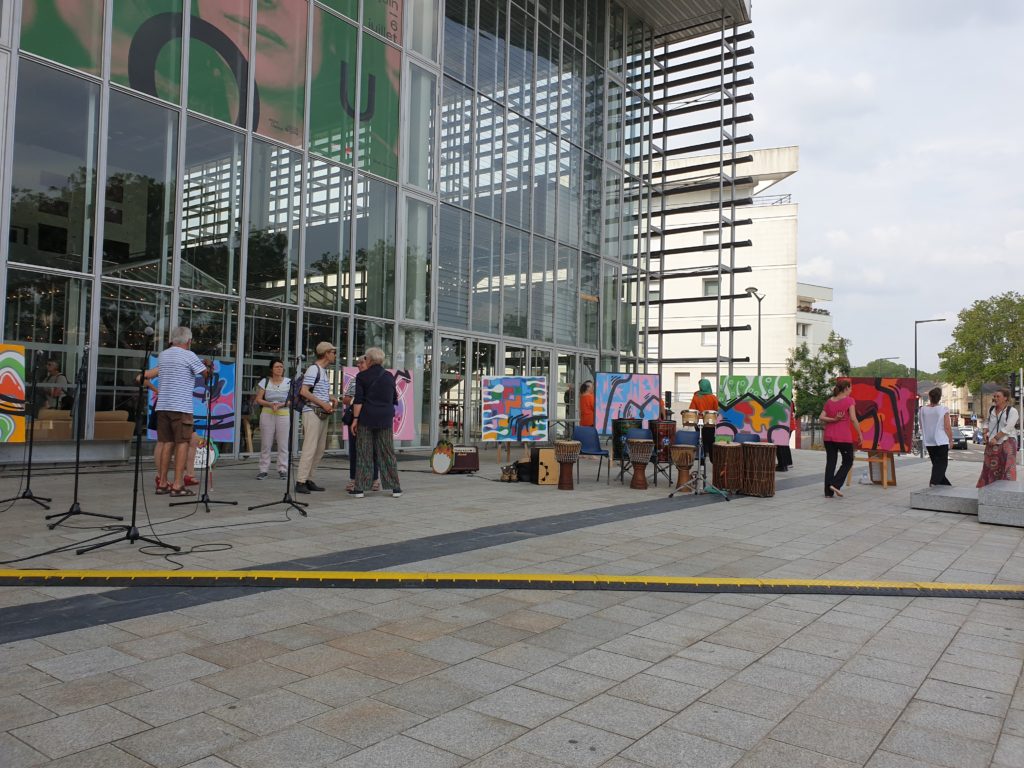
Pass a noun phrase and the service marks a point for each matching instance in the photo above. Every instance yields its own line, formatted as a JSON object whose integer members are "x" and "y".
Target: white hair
{"x": 374, "y": 356}
{"x": 181, "y": 335}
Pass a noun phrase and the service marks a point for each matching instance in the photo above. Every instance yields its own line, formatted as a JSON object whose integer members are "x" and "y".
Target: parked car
{"x": 960, "y": 439}
{"x": 968, "y": 431}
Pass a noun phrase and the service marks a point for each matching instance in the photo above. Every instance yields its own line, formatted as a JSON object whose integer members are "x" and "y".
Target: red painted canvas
{"x": 885, "y": 410}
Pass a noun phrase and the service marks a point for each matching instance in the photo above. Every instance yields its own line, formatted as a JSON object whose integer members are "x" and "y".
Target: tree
{"x": 988, "y": 342}
{"x": 814, "y": 375}
{"x": 887, "y": 369}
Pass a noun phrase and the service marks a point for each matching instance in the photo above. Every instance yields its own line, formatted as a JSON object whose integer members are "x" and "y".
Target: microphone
{"x": 149, "y": 331}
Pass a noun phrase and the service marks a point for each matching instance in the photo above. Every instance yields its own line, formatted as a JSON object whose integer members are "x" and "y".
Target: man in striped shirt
{"x": 177, "y": 368}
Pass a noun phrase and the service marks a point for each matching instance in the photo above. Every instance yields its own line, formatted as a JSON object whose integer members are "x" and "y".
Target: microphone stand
{"x": 291, "y": 502}
{"x": 27, "y": 493}
{"x": 131, "y": 531}
{"x": 76, "y": 508}
{"x": 204, "y": 497}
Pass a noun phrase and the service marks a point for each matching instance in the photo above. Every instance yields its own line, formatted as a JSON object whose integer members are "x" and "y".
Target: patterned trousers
{"x": 376, "y": 444}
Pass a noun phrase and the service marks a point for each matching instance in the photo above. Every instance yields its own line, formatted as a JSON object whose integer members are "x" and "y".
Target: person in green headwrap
{"x": 704, "y": 399}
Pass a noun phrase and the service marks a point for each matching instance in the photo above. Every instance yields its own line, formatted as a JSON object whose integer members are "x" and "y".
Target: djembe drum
{"x": 620, "y": 427}
{"x": 727, "y": 459}
{"x": 664, "y": 432}
{"x": 758, "y": 469}
{"x": 682, "y": 457}
{"x": 640, "y": 452}
{"x": 567, "y": 453}
{"x": 688, "y": 418}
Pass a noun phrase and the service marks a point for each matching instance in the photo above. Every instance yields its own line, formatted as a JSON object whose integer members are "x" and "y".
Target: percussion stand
{"x": 291, "y": 502}
{"x": 703, "y": 486}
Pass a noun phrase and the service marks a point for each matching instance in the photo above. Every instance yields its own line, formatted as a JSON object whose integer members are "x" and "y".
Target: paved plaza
{"x": 491, "y": 678}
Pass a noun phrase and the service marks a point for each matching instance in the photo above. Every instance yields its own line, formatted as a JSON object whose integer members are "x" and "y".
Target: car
{"x": 960, "y": 439}
{"x": 967, "y": 430}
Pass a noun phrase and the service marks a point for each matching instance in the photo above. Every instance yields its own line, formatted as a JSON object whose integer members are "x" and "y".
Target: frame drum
{"x": 619, "y": 429}
{"x": 728, "y": 466}
{"x": 758, "y": 469}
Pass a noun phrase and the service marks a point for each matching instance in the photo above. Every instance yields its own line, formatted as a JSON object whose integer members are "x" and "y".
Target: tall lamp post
{"x": 887, "y": 358}
{"x": 760, "y": 297}
{"x": 917, "y": 402}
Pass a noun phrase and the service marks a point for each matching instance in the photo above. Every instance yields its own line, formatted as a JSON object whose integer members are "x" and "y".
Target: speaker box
{"x": 467, "y": 459}
{"x": 545, "y": 468}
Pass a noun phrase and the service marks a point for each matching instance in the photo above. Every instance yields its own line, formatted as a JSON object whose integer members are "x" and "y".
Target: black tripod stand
{"x": 78, "y": 406}
{"x": 27, "y": 493}
{"x": 131, "y": 531}
{"x": 204, "y": 497}
{"x": 291, "y": 502}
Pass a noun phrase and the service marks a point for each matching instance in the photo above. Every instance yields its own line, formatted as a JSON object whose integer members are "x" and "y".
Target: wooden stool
{"x": 881, "y": 462}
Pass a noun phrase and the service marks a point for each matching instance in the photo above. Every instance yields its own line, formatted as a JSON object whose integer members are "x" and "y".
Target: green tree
{"x": 889, "y": 369}
{"x": 814, "y": 375}
{"x": 988, "y": 342}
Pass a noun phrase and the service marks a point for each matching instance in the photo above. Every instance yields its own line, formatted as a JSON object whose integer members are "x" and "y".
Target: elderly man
{"x": 177, "y": 368}
{"x": 317, "y": 407}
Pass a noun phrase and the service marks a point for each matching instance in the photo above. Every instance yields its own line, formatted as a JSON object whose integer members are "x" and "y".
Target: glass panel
{"x": 628, "y": 312}
{"x": 615, "y": 35}
{"x": 269, "y": 335}
{"x": 545, "y": 183}
{"x": 218, "y": 54}
{"x": 486, "y": 276}
{"x": 596, "y": 22}
{"x": 376, "y": 217}
{"x": 612, "y": 210}
{"x": 613, "y": 125}
{"x": 348, "y": 8}
{"x": 451, "y": 405}
{"x": 145, "y": 51}
{"x": 548, "y": 78}
{"x": 521, "y": 64}
{"x": 141, "y": 171}
{"x": 515, "y": 292}
{"x": 609, "y": 307}
{"x": 380, "y": 102}
{"x": 332, "y": 108}
{"x": 491, "y": 53}
{"x": 459, "y": 22}
{"x": 518, "y": 175}
{"x": 419, "y": 258}
{"x": 382, "y": 16}
{"x": 49, "y": 314}
{"x": 6, "y": 24}
{"x": 593, "y": 115}
{"x": 213, "y": 323}
{"x": 212, "y": 208}
{"x": 591, "y": 203}
{"x": 565, "y": 389}
{"x": 373, "y": 333}
{"x": 125, "y": 313}
{"x": 515, "y": 361}
{"x": 542, "y": 290}
{"x": 281, "y": 68}
{"x": 422, "y": 27}
{"x": 456, "y": 142}
{"x": 567, "y": 296}
{"x": 634, "y": 130}
{"x": 328, "y": 218}
{"x": 590, "y": 277}
{"x": 53, "y": 181}
{"x": 630, "y": 219}
{"x": 572, "y": 19}
{"x": 420, "y": 142}
{"x": 571, "y": 99}
{"x": 273, "y": 256}
{"x": 635, "y": 51}
{"x": 71, "y": 33}
{"x": 415, "y": 355}
{"x": 490, "y": 157}
{"x": 485, "y": 363}
{"x": 333, "y": 328}
{"x": 569, "y": 160}
{"x": 453, "y": 268}
{"x": 540, "y": 363}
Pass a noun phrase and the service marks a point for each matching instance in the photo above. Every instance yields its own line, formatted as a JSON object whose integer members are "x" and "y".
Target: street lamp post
{"x": 887, "y": 358}
{"x": 918, "y": 442}
{"x": 760, "y": 297}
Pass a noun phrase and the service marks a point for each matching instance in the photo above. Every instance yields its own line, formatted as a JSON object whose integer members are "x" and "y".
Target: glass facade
{"x": 465, "y": 177}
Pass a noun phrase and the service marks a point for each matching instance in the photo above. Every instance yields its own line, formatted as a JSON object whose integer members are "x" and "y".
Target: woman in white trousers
{"x": 272, "y": 394}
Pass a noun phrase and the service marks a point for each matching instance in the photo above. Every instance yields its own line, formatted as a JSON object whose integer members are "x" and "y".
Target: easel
{"x": 884, "y": 462}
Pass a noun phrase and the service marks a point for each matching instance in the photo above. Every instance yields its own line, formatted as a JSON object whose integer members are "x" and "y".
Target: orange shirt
{"x": 587, "y": 409}
{"x": 704, "y": 402}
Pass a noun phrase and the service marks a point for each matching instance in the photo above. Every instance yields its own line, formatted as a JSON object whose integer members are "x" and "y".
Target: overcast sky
{"x": 909, "y": 115}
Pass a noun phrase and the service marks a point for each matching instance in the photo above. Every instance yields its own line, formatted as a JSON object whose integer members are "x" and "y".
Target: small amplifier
{"x": 524, "y": 471}
{"x": 545, "y": 468}
{"x": 467, "y": 459}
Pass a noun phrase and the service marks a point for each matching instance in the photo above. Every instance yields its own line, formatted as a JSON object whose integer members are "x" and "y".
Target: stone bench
{"x": 1002, "y": 503}
{"x": 946, "y": 498}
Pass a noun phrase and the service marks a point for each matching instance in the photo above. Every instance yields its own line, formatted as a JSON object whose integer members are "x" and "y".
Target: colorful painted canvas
{"x": 514, "y": 408}
{"x": 885, "y": 410}
{"x": 404, "y": 424}
{"x": 12, "y": 393}
{"x": 755, "y": 405}
{"x": 222, "y": 426}
{"x": 625, "y": 396}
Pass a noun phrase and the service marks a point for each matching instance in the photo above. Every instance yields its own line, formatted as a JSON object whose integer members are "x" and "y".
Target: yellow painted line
{"x": 507, "y": 580}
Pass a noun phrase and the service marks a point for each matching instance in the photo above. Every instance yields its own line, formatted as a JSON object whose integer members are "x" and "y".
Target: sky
{"x": 909, "y": 116}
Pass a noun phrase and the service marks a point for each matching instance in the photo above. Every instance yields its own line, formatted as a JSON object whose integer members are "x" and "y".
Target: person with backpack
{"x": 273, "y": 394}
{"x": 1000, "y": 462}
{"x": 317, "y": 407}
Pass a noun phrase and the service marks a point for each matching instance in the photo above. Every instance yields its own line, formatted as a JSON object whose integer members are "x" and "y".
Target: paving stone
{"x": 753, "y": 700}
{"x": 861, "y": 687}
{"x": 21, "y": 678}
{"x": 298, "y": 636}
{"x": 295, "y": 747}
{"x": 974, "y": 677}
{"x": 776, "y": 754}
{"x": 658, "y": 692}
{"x": 269, "y": 712}
{"x": 670, "y": 748}
{"x": 492, "y": 634}
{"x": 249, "y": 680}
{"x": 237, "y": 653}
{"x": 25, "y": 652}
{"x": 397, "y": 667}
{"x": 883, "y": 759}
{"x": 613, "y": 666}
{"x": 338, "y": 687}
{"x": 510, "y": 757}
{"x": 16, "y": 711}
{"x": 872, "y": 715}
{"x": 800, "y": 661}
{"x": 969, "y": 725}
{"x": 106, "y": 756}
{"x": 450, "y": 649}
{"x": 719, "y": 655}
{"x": 428, "y": 696}
{"x": 17, "y": 754}
{"x": 692, "y": 672}
{"x": 162, "y": 673}
{"x": 159, "y": 646}
{"x": 156, "y": 624}
{"x": 963, "y": 697}
{"x": 480, "y": 675}
{"x": 737, "y": 729}
{"x": 466, "y": 733}
{"x": 78, "y": 731}
{"x": 883, "y": 669}
{"x": 371, "y": 643}
{"x": 1009, "y": 751}
{"x": 777, "y": 679}
{"x": 641, "y": 648}
{"x": 570, "y": 743}
{"x": 522, "y": 655}
{"x": 521, "y": 706}
{"x": 937, "y": 747}
{"x": 626, "y": 718}
{"x": 87, "y": 638}
{"x": 175, "y": 702}
{"x": 364, "y": 723}
{"x": 210, "y": 762}
{"x": 183, "y": 741}
{"x": 400, "y": 751}
{"x": 567, "y": 683}
{"x": 74, "y": 666}
{"x": 842, "y": 740}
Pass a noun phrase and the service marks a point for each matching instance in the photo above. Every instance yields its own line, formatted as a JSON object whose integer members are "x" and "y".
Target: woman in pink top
{"x": 840, "y": 419}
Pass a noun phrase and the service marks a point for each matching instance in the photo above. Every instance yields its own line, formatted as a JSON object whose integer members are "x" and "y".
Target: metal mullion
{"x": 305, "y": 175}
{"x": 357, "y": 179}
{"x": 721, "y": 193}
{"x": 7, "y": 160}
{"x": 179, "y": 186}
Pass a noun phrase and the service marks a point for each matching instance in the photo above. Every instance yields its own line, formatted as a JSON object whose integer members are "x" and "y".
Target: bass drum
{"x": 443, "y": 457}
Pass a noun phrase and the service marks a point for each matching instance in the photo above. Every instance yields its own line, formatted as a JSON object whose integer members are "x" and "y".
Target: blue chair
{"x": 746, "y": 438}
{"x": 591, "y": 446}
{"x": 687, "y": 437}
{"x": 633, "y": 433}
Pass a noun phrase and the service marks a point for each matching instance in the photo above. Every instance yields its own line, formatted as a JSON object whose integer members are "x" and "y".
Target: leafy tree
{"x": 884, "y": 368}
{"x": 988, "y": 342}
{"x": 814, "y": 375}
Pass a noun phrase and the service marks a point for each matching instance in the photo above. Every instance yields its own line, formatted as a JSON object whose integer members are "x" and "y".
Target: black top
{"x": 377, "y": 394}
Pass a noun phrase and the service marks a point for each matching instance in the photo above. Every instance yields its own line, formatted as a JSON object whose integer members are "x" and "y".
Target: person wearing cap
{"x": 315, "y": 392}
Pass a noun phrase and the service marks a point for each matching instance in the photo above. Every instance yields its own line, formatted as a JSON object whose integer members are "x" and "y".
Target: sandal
{"x": 162, "y": 489}
{"x": 182, "y": 492}
{"x": 351, "y": 485}
{"x": 376, "y": 485}
{"x": 189, "y": 480}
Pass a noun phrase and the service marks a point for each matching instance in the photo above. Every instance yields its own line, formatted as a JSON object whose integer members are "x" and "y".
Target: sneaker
{"x": 396, "y": 492}
{"x": 301, "y": 488}
{"x": 313, "y": 486}
{"x": 261, "y": 476}
{"x": 355, "y": 493}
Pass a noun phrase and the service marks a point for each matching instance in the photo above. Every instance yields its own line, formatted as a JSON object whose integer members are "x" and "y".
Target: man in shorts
{"x": 177, "y": 368}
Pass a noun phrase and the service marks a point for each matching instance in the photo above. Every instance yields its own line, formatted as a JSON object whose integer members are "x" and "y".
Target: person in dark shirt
{"x": 373, "y": 423}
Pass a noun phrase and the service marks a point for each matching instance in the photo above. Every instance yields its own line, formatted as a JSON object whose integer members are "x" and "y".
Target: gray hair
{"x": 374, "y": 356}
{"x": 181, "y": 335}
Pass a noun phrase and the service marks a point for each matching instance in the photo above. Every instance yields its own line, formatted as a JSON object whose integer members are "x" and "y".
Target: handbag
{"x": 320, "y": 412}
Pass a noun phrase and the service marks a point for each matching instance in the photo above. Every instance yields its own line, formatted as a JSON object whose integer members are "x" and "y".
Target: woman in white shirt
{"x": 272, "y": 394}
{"x": 1000, "y": 461}
{"x": 937, "y": 433}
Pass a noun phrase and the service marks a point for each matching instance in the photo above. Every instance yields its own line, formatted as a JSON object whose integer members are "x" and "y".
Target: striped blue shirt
{"x": 319, "y": 386}
{"x": 178, "y": 370}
